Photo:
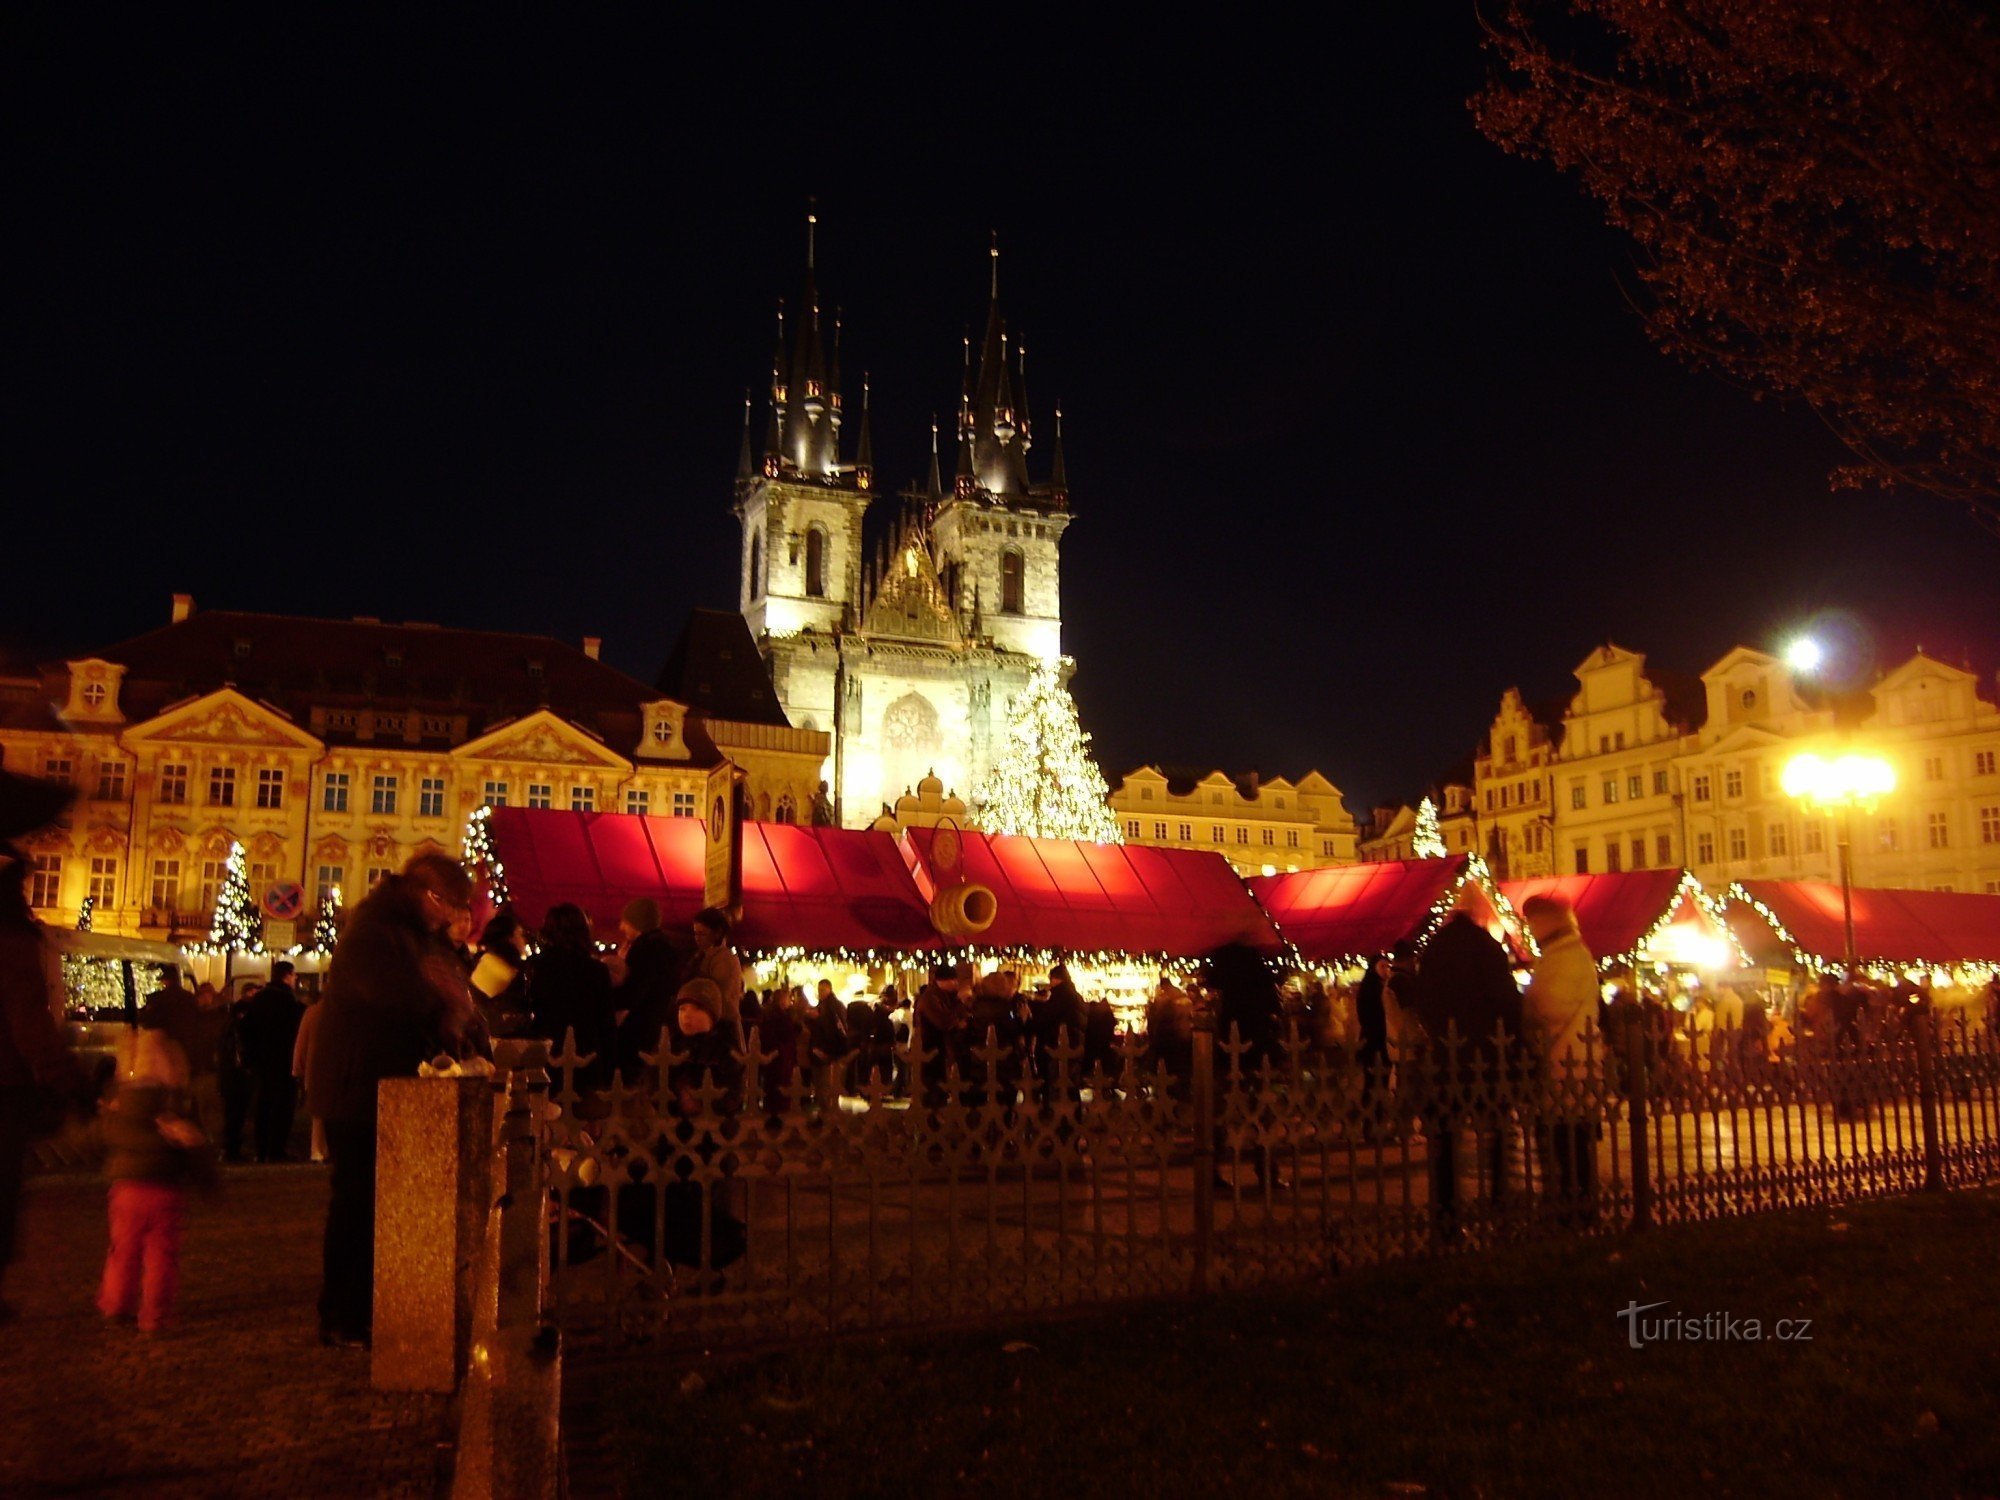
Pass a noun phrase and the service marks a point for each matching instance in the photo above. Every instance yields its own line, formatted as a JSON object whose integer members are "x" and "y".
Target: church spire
{"x": 1059, "y": 474}
{"x": 999, "y": 459}
{"x": 864, "y": 450}
{"x": 933, "y": 485}
{"x": 812, "y": 425}
{"x": 744, "y": 466}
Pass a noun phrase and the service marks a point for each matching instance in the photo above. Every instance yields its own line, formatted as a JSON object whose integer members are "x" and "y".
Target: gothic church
{"x": 910, "y": 639}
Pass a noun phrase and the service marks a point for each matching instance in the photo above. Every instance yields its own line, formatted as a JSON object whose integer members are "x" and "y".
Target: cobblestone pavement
{"x": 235, "y": 1398}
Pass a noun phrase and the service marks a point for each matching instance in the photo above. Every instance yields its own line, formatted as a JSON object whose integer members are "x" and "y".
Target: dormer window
{"x": 392, "y": 659}
{"x": 94, "y": 694}
{"x": 1749, "y": 699}
{"x": 663, "y": 731}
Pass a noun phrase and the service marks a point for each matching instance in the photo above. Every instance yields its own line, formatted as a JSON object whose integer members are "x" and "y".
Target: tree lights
{"x": 236, "y": 926}
{"x": 1045, "y": 783}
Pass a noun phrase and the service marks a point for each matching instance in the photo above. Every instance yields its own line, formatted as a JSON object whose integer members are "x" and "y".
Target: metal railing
{"x": 725, "y": 1205}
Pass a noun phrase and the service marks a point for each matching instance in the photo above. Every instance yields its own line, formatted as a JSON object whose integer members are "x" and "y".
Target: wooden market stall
{"x": 1344, "y": 916}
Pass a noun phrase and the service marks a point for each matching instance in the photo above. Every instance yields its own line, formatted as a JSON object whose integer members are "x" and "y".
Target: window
{"x": 1326, "y": 847}
{"x": 1982, "y": 762}
{"x": 1186, "y": 833}
{"x": 430, "y": 797}
{"x": 94, "y": 695}
{"x": 1610, "y": 791}
{"x": 56, "y": 768}
{"x": 45, "y": 879}
{"x": 1215, "y": 835}
{"x": 326, "y": 880}
{"x": 1582, "y": 860}
{"x": 262, "y": 877}
{"x": 757, "y": 565}
{"x": 270, "y": 787}
{"x": 1813, "y": 836}
{"x": 1989, "y": 825}
{"x": 1614, "y": 856}
{"x": 1291, "y": 838}
{"x": 1775, "y": 839}
{"x": 583, "y": 799}
{"x": 1638, "y": 851}
{"x": 1947, "y": 886}
{"x": 166, "y": 891}
{"x": 540, "y": 794}
{"x": 333, "y": 792}
{"x": 1890, "y": 834}
{"x": 1013, "y": 582}
{"x": 787, "y": 811}
{"x": 103, "y": 888}
{"x": 1619, "y": 739}
{"x": 1700, "y": 787}
{"x": 1270, "y": 838}
{"x": 1938, "y": 828}
{"x": 1659, "y": 783}
{"x": 494, "y": 794}
{"x": 377, "y": 874}
{"x": 1242, "y": 834}
{"x": 1704, "y": 848}
{"x": 1663, "y": 849}
{"x": 1131, "y": 828}
{"x": 212, "y": 871}
{"x": 1577, "y": 796}
{"x": 111, "y": 781}
{"x": 1159, "y": 830}
{"x": 1510, "y": 747}
{"x": 222, "y": 786}
{"x": 173, "y": 785}
{"x": 1635, "y": 787}
{"x": 1489, "y": 799}
{"x": 382, "y": 797}
{"x": 683, "y": 804}
{"x": 1145, "y": 794}
{"x": 1732, "y": 782}
{"x": 1739, "y": 843}
{"x": 638, "y": 802}
{"x": 1934, "y": 768}
{"x": 815, "y": 562}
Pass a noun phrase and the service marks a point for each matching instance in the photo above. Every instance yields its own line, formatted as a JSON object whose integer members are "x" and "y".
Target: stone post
{"x": 433, "y": 1189}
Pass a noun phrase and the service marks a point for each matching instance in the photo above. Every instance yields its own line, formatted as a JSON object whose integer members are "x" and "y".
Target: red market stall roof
{"x": 1063, "y": 895}
{"x": 1619, "y": 913}
{"x": 1349, "y": 913}
{"x": 1942, "y": 928}
{"x": 820, "y": 889}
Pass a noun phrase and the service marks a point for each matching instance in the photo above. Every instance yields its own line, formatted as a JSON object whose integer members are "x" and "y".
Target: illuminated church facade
{"x": 903, "y": 625}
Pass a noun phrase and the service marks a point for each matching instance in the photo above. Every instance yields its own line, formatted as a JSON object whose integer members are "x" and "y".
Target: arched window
{"x": 757, "y": 565}
{"x": 1013, "y": 581}
{"x": 816, "y": 562}
{"x": 787, "y": 810}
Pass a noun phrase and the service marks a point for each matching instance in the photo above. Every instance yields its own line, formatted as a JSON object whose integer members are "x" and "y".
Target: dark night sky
{"x": 455, "y": 327}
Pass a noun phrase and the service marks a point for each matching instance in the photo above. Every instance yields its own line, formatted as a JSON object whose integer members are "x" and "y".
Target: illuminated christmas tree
{"x": 326, "y": 926}
{"x": 1044, "y": 782}
{"x": 236, "y": 927}
{"x": 479, "y": 858}
{"x": 1427, "y": 843}
{"x": 87, "y": 914}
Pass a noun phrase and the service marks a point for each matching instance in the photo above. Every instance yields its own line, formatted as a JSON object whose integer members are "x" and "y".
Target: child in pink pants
{"x": 150, "y": 1150}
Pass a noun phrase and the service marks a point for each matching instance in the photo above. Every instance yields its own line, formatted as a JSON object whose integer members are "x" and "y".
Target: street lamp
{"x": 1804, "y": 656}
{"x": 1840, "y": 785}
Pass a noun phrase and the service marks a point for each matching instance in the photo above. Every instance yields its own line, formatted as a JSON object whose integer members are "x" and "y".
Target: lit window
{"x": 638, "y": 802}
{"x": 1891, "y": 834}
{"x": 166, "y": 889}
{"x": 333, "y": 792}
{"x": 540, "y": 794}
{"x": 271, "y": 787}
{"x": 1610, "y": 791}
{"x": 683, "y": 804}
{"x": 327, "y": 879}
{"x": 212, "y": 871}
{"x": 1635, "y": 787}
{"x": 222, "y": 786}
{"x": 173, "y": 785}
{"x": 1776, "y": 839}
{"x": 1699, "y": 788}
{"x": 1578, "y": 796}
{"x": 111, "y": 781}
{"x": 430, "y": 797}
{"x": 1938, "y": 827}
{"x": 494, "y": 794}
{"x": 45, "y": 879}
{"x": 382, "y": 797}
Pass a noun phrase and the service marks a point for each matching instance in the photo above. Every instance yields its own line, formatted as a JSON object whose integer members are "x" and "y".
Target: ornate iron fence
{"x": 723, "y": 1205}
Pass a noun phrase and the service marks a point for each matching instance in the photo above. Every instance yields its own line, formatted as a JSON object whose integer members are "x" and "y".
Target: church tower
{"x": 801, "y": 507}
{"x": 998, "y": 536}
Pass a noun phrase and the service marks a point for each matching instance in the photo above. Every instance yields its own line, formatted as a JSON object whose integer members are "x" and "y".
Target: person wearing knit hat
{"x": 1559, "y": 1022}
{"x": 700, "y": 1005}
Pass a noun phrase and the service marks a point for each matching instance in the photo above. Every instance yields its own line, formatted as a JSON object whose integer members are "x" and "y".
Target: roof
{"x": 1075, "y": 897}
{"x": 1615, "y": 912}
{"x": 715, "y": 667}
{"x": 1347, "y": 912}
{"x": 295, "y": 663}
{"x": 821, "y": 889}
{"x": 1890, "y": 927}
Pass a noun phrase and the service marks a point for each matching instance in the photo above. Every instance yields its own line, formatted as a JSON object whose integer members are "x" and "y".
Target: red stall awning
{"x": 821, "y": 889}
{"x": 1945, "y": 928}
{"x": 1063, "y": 895}
{"x": 1617, "y": 910}
{"x": 1351, "y": 913}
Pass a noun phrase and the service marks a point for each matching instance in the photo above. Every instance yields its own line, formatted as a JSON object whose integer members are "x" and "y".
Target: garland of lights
{"x": 236, "y": 927}
{"x": 481, "y": 859}
{"x": 86, "y": 914}
{"x": 1813, "y": 963}
{"x": 1044, "y": 782}
{"x": 1689, "y": 888}
{"x": 326, "y": 925}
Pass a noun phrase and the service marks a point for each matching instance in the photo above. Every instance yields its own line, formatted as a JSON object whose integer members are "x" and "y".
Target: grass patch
{"x": 1508, "y": 1374}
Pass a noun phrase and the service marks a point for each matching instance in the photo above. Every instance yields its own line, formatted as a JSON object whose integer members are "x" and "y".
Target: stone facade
{"x": 1263, "y": 827}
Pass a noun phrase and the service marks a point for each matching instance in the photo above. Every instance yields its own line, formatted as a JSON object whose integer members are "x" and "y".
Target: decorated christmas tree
{"x": 479, "y": 858}
{"x": 1427, "y": 843}
{"x": 87, "y": 914}
{"x": 236, "y": 926}
{"x": 326, "y": 925}
{"x": 1044, "y": 782}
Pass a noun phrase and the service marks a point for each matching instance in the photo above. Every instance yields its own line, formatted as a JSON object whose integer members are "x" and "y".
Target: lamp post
{"x": 1840, "y": 785}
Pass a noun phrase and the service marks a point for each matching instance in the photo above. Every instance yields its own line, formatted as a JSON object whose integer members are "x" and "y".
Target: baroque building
{"x": 336, "y": 749}
{"x": 904, "y": 627}
{"x": 1263, "y": 827}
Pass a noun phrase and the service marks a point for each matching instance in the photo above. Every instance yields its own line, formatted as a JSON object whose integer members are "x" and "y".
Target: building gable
{"x": 542, "y": 738}
{"x": 223, "y": 717}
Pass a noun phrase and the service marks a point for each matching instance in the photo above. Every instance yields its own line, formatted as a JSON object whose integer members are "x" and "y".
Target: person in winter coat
{"x": 151, "y": 1152}
{"x": 302, "y": 1051}
{"x": 1248, "y": 1008}
{"x": 569, "y": 989}
{"x": 826, "y": 1035}
{"x": 499, "y": 975}
{"x": 1051, "y": 1022}
{"x": 941, "y": 1014}
{"x": 396, "y": 996}
{"x": 1388, "y": 979}
{"x": 1170, "y": 1032}
{"x": 1559, "y": 1026}
{"x": 715, "y": 960}
{"x": 643, "y": 999}
{"x": 270, "y": 1032}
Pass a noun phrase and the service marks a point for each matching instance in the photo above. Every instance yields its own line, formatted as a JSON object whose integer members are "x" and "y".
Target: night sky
{"x": 456, "y": 327}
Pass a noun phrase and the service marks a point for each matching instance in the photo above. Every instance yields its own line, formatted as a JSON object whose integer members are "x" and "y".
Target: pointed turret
{"x": 745, "y": 467}
{"x": 1059, "y": 471}
{"x": 999, "y": 457}
{"x": 933, "y": 484}
{"x": 864, "y": 448}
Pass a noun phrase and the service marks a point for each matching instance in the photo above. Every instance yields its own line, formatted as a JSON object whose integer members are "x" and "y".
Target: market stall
{"x": 1949, "y": 938}
{"x": 1658, "y": 918}
{"x": 1340, "y": 918}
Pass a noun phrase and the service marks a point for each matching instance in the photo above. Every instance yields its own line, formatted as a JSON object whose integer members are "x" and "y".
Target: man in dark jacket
{"x": 396, "y": 995}
{"x": 644, "y": 998}
{"x": 269, "y": 1030}
{"x": 1464, "y": 987}
{"x": 1048, "y": 1021}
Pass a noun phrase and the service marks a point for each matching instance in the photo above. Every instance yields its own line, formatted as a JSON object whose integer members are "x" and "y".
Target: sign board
{"x": 284, "y": 900}
{"x": 722, "y": 866}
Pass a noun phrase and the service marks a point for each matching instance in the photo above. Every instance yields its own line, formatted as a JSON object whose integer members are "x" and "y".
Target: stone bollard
{"x": 433, "y": 1189}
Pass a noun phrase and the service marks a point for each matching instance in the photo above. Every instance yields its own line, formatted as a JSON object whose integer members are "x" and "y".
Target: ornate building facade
{"x": 334, "y": 750}
{"x": 1263, "y": 827}
{"x": 905, "y": 635}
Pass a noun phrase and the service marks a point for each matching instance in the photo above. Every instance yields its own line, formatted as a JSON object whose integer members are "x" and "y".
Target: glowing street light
{"x": 1841, "y": 785}
{"x": 1804, "y": 655}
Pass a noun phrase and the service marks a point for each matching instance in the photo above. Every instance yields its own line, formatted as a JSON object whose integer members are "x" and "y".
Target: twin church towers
{"x": 906, "y": 632}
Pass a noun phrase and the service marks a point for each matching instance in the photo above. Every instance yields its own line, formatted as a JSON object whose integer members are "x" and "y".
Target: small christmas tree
{"x": 1044, "y": 782}
{"x": 326, "y": 926}
{"x": 236, "y": 926}
{"x": 86, "y": 914}
{"x": 479, "y": 858}
{"x": 1428, "y": 842}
